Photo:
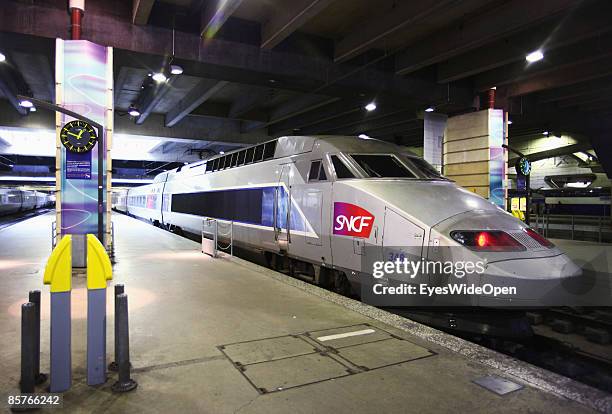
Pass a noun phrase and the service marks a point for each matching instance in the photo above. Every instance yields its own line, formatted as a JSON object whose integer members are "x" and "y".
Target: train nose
{"x": 531, "y": 282}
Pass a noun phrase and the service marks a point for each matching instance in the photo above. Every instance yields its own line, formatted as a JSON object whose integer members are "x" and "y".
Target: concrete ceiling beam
{"x": 475, "y": 32}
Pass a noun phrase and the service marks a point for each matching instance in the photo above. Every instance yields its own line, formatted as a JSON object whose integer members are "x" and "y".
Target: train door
{"x": 310, "y": 214}
{"x": 402, "y": 239}
{"x": 282, "y": 209}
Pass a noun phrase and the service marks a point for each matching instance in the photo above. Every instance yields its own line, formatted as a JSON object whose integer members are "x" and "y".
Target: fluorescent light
{"x": 33, "y": 109}
{"x": 176, "y": 69}
{"x": 509, "y": 122}
{"x": 2, "y": 57}
{"x": 185, "y": 163}
{"x": 545, "y": 133}
{"x": 159, "y": 77}
{"x": 370, "y": 107}
{"x": 221, "y": 152}
{"x": 534, "y": 56}
{"x": 429, "y": 109}
{"x": 133, "y": 111}
{"x": 26, "y": 103}
{"x": 133, "y": 147}
{"x": 363, "y": 136}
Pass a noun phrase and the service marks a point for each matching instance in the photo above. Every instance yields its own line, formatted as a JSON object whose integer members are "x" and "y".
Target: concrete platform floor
{"x": 191, "y": 316}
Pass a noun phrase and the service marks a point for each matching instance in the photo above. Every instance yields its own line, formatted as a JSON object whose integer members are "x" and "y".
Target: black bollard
{"x": 125, "y": 383}
{"x": 119, "y": 289}
{"x": 28, "y": 319}
{"x": 34, "y": 297}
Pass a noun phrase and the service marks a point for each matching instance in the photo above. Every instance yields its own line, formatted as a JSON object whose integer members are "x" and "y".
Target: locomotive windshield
{"x": 424, "y": 167}
{"x": 382, "y": 166}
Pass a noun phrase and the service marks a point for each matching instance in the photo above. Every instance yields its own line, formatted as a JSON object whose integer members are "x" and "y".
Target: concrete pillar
{"x": 473, "y": 155}
{"x": 434, "y": 126}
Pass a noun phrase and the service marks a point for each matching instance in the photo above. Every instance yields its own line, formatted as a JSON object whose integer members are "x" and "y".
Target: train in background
{"x": 14, "y": 200}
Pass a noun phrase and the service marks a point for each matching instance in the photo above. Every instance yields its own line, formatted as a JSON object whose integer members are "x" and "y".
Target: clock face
{"x": 524, "y": 166}
{"x": 78, "y": 136}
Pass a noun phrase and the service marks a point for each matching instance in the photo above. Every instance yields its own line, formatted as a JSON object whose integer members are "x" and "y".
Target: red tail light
{"x": 487, "y": 240}
{"x": 537, "y": 237}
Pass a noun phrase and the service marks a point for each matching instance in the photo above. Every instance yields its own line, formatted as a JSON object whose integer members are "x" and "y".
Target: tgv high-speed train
{"x": 13, "y": 200}
{"x": 321, "y": 204}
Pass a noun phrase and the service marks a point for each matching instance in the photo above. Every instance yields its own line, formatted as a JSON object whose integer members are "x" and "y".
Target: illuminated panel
{"x": 81, "y": 71}
{"x": 497, "y": 163}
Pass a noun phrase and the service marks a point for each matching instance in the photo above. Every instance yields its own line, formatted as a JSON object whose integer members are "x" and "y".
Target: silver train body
{"x": 13, "y": 200}
{"x": 326, "y": 201}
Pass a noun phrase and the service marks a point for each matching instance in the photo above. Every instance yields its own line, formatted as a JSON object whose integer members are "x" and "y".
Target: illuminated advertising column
{"x": 473, "y": 155}
{"x": 83, "y": 85}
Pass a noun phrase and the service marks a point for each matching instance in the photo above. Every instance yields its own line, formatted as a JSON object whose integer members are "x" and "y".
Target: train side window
{"x": 258, "y": 153}
{"x": 241, "y": 157}
{"x": 342, "y": 170}
{"x": 269, "y": 149}
{"x": 234, "y": 159}
{"x": 249, "y": 155}
{"x": 313, "y": 175}
{"x": 209, "y": 166}
{"x": 317, "y": 171}
{"x": 322, "y": 175}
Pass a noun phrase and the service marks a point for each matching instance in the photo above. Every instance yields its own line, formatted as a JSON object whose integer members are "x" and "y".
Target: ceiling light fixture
{"x": 509, "y": 122}
{"x": 33, "y": 109}
{"x": 363, "y": 136}
{"x": 2, "y": 57}
{"x": 430, "y": 109}
{"x": 26, "y": 103}
{"x": 534, "y": 56}
{"x": 133, "y": 111}
{"x": 176, "y": 69}
{"x": 545, "y": 133}
{"x": 370, "y": 107}
{"x": 160, "y": 77}
{"x": 221, "y": 152}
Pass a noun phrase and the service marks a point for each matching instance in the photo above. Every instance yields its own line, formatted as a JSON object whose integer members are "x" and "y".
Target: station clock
{"x": 78, "y": 136}
{"x": 523, "y": 166}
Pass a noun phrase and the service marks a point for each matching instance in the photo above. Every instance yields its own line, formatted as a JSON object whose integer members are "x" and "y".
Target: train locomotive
{"x": 319, "y": 204}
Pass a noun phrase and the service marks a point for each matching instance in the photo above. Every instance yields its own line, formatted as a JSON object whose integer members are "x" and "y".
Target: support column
{"x": 434, "y": 127}
{"x": 83, "y": 85}
{"x": 474, "y": 156}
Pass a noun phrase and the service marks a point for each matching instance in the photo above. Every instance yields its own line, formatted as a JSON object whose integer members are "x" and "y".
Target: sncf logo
{"x": 352, "y": 220}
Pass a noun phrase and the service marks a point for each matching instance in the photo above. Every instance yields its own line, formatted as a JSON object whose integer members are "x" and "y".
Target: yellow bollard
{"x": 99, "y": 270}
{"x": 58, "y": 274}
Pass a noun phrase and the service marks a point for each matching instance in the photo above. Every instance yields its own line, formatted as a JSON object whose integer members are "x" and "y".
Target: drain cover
{"x": 267, "y": 349}
{"x": 293, "y": 372}
{"x": 498, "y": 385}
{"x": 383, "y": 353}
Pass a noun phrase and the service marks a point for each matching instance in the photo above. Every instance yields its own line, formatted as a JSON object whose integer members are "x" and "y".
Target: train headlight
{"x": 487, "y": 240}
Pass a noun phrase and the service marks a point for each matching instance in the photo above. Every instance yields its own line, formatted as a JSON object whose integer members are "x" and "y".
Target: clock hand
{"x": 73, "y": 134}
{"x": 80, "y": 133}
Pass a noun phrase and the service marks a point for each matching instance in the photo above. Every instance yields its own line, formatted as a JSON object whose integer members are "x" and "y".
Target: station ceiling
{"x": 258, "y": 69}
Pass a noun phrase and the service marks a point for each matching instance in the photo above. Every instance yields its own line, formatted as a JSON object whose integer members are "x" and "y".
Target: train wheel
{"x": 341, "y": 284}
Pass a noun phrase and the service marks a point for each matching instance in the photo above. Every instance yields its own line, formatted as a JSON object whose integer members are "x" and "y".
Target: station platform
{"x": 225, "y": 335}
